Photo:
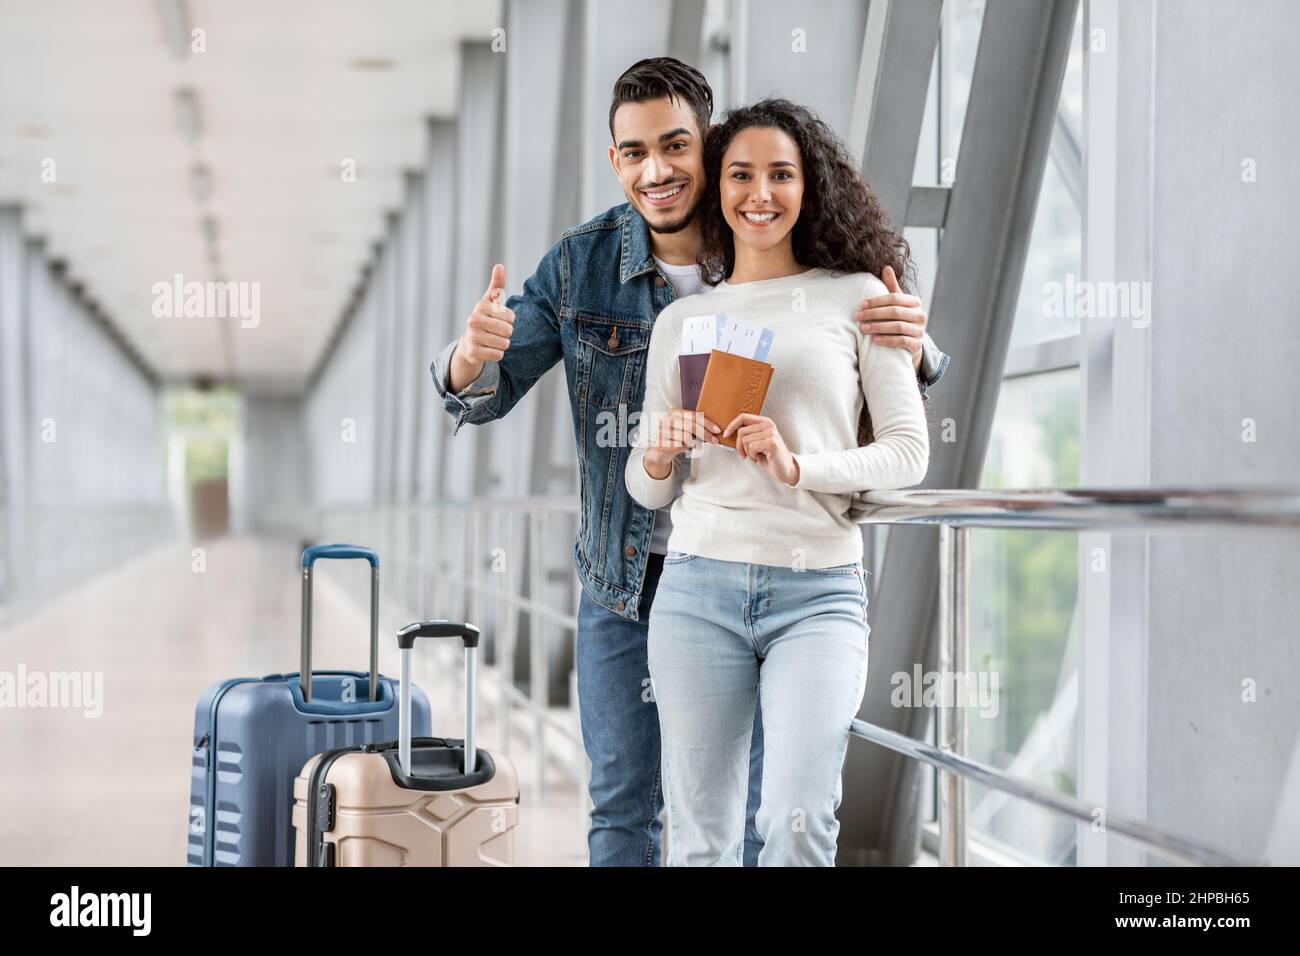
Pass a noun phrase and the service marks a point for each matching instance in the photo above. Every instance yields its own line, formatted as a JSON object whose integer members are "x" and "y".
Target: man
{"x": 592, "y": 303}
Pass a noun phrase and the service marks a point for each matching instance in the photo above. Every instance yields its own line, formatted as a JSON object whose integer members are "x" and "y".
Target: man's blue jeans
{"x": 620, "y": 730}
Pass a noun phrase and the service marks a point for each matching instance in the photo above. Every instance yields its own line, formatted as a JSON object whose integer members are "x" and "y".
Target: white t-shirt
{"x": 685, "y": 281}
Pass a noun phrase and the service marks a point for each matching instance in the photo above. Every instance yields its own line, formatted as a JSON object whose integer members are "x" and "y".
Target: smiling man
{"x": 591, "y": 303}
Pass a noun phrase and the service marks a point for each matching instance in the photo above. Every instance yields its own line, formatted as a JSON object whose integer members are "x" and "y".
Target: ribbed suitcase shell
{"x": 378, "y": 822}
{"x": 250, "y": 741}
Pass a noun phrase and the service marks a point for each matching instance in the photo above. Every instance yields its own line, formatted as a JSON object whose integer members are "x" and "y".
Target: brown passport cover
{"x": 732, "y": 384}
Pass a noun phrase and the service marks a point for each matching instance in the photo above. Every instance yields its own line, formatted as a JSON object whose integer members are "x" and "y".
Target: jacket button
{"x": 659, "y": 281}
{"x": 613, "y": 339}
{"x": 629, "y": 551}
{"x": 620, "y": 605}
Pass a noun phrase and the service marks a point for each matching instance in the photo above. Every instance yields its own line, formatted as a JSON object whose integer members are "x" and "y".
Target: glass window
{"x": 1023, "y": 584}
{"x": 924, "y": 243}
{"x": 958, "y": 44}
{"x": 1071, "y": 106}
{"x": 1052, "y": 265}
{"x": 1023, "y": 587}
{"x": 1055, "y": 256}
{"x": 1035, "y": 439}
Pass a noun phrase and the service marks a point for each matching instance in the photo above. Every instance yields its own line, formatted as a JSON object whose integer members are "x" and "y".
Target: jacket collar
{"x": 634, "y": 258}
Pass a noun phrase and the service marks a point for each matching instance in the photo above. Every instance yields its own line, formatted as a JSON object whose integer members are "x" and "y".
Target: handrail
{"x": 563, "y": 504}
{"x": 60, "y": 546}
{"x": 456, "y": 563}
{"x": 1085, "y": 509}
{"x": 1176, "y": 848}
{"x": 956, "y": 512}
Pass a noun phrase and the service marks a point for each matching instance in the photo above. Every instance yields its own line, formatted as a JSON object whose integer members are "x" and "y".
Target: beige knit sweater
{"x": 732, "y": 509}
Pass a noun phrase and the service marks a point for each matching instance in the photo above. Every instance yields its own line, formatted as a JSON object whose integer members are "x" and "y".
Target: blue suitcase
{"x": 253, "y": 734}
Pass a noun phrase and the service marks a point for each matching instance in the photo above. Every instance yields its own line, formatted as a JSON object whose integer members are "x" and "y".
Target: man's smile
{"x": 666, "y": 195}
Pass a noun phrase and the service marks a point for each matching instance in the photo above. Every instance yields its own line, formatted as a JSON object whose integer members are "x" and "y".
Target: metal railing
{"x": 438, "y": 551}
{"x": 61, "y": 547}
{"x": 436, "y": 560}
{"x": 1119, "y": 510}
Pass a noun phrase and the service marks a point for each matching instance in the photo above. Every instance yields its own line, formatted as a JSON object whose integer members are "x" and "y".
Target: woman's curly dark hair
{"x": 842, "y": 227}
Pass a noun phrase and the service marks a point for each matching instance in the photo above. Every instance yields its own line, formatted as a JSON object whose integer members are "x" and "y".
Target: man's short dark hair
{"x": 664, "y": 76}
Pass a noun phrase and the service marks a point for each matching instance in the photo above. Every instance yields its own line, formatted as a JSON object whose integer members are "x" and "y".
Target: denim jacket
{"x": 592, "y": 303}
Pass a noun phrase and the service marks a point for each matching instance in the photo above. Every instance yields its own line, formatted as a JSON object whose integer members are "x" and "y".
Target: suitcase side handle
{"x": 341, "y": 552}
{"x": 406, "y": 637}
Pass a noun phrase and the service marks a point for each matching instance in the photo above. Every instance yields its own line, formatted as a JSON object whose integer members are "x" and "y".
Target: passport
{"x": 732, "y": 384}
{"x": 690, "y": 369}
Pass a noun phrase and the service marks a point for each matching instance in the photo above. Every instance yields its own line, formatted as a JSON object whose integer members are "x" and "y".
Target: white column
{"x": 806, "y": 52}
{"x": 439, "y": 322}
{"x": 478, "y": 160}
{"x": 610, "y": 45}
{"x": 14, "y": 418}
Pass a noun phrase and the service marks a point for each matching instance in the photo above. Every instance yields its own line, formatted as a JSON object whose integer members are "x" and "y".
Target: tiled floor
{"x": 78, "y": 790}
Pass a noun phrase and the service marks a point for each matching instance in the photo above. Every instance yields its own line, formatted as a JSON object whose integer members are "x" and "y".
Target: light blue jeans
{"x": 724, "y": 635}
{"x": 620, "y": 731}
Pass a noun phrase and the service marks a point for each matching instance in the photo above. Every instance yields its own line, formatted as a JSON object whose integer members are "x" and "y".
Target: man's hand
{"x": 758, "y": 440}
{"x": 677, "y": 431}
{"x": 486, "y": 336}
{"x": 895, "y": 319}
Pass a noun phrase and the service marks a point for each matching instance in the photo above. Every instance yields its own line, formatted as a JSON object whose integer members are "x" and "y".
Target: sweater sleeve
{"x": 663, "y": 392}
{"x": 900, "y": 455}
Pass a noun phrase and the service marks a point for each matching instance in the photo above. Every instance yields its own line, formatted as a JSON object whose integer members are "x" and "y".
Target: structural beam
{"x": 898, "y": 53}
{"x": 478, "y": 147}
{"x": 1013, "y": 99}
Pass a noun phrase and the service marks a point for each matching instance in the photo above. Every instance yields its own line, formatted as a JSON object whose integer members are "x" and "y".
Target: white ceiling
{"x": 282, "y": 103}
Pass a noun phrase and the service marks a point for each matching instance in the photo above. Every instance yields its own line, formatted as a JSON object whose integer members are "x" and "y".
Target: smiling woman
{"x": 840, "y": 224}
{"x": 797, "y": 239}
{"x": 787, "y": 195}
{"x": 761, "y": 182}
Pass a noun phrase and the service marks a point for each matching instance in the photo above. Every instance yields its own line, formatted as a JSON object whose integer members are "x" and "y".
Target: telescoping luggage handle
{"x": 339, "y": 551}
{"x": 468, "y": 634}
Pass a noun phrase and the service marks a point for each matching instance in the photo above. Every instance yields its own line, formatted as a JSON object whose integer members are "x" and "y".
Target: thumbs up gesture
{"x": 486, "y": 336}
{"x": 488, "y": 329}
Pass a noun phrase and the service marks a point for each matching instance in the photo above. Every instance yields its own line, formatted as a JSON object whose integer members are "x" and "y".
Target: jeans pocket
{"x": 678, "y": 557}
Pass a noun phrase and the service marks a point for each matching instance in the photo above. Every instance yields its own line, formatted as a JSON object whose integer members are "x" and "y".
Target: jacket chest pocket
{"x": 611, "y": 354}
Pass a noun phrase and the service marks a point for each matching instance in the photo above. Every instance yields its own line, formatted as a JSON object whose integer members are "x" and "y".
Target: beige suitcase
{"x": 410, "y": 803}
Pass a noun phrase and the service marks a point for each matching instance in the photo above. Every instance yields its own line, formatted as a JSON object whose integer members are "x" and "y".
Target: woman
{"x": 763, "y": 592}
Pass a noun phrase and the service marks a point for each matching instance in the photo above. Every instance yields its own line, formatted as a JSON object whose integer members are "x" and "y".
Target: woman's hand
{"x": 758, "y": 440}
{"x": 679, "y": 430}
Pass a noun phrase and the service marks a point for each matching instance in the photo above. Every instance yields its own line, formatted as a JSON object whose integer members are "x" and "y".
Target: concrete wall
{"x": 81, "y": 455}
{"x": 1192, "y": 190}
{"x": 1224, "y": 609}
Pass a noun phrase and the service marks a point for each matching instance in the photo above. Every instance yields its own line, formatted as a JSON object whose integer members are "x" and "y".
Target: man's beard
{"x": 679, "y": 225}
